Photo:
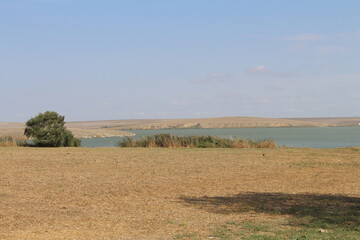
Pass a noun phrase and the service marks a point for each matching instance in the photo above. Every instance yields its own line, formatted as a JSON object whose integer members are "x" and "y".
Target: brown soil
{"x": 114, "y": 193}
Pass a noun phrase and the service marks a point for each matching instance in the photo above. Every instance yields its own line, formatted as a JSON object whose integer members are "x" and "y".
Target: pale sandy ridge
{"x": 221, "y": 122}
{"x": 334, "y": 121}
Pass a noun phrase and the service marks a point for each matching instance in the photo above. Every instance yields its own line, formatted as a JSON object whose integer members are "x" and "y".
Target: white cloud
{"x": 254, "y": 36}
{"x": 20, "y": 115}
{"x": 331, "y": 49}
{"x": 304, "y": 37}
{"x": 50, "y": 1}
{"x": 212, "y": 78}
{"x": 264, "y": 72}
{"x": 105, "y": 105}
{"x": 355, "y": 35}
{"x": 181, "y": 102}
{"x": 318, "y": 49}
{"x": 259, "y": 69}
{"x": 217, "y": 75}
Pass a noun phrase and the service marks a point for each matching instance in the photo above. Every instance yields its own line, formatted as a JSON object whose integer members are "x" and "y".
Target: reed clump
{"x": 13, "y": 141}
{"x": 171, "y": 141}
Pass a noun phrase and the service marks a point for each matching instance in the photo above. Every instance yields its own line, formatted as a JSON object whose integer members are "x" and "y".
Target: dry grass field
{"x": 116, "y": 193}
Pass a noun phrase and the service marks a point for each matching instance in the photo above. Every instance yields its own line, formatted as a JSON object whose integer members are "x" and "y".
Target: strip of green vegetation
{"x": 170, "y": 141}
{"x": 262, "y": 231}
{"x": 296, "y": 216}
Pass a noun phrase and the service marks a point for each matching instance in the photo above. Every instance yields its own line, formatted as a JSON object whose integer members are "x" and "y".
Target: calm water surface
{"x": 321, "y": 137}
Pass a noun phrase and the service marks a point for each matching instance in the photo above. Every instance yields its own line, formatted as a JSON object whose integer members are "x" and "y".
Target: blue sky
{"x": 98, "y": 60}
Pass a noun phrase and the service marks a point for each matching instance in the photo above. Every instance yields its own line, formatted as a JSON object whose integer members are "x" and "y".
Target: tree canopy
{"x": 48, "y": 130}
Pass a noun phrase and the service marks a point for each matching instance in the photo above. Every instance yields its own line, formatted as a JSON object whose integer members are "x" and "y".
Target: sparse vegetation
{"x": 271, "y": 230}
{"x": 170, "y": 141}
{"x": 12, "y": 141}
{"x": 190, "y": 236}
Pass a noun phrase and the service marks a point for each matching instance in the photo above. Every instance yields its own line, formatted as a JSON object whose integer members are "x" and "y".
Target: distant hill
{"x": 335, "y": 121}
{"x": 221, "y": 122}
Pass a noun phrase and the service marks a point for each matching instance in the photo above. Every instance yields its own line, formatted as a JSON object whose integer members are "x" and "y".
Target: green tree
{"x": 48, "y": 130}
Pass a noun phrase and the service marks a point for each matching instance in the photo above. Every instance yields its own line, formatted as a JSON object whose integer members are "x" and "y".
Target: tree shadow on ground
{"x": 315, "y": 209}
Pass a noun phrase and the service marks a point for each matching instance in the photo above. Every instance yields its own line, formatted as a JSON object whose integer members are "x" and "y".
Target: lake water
{"x": 319, "y": 137}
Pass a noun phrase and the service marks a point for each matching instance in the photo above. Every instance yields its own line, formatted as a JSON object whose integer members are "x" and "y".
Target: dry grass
{"x": 12, "y": 141}
{"x": 116, "y": 193}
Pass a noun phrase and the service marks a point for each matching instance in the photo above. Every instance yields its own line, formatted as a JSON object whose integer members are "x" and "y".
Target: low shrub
{"x": 48, "y": 130}
{"x": 170, "y": 141}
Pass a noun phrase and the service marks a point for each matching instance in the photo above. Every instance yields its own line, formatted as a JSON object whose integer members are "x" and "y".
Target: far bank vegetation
{"x": 171, "y": 141}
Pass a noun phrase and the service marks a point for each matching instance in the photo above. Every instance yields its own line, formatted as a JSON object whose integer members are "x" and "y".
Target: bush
{"x": 48, "y": 130}
{"x": 170, "y": 141}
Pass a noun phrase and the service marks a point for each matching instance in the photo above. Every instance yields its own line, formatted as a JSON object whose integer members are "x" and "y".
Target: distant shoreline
{"x": 118, "y": 128}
